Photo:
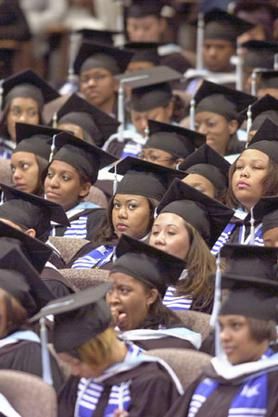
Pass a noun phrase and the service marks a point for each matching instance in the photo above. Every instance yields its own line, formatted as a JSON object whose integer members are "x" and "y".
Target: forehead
{"x": 197, "y": 179}
{"x": 169, "y": 218}
{"x": 62, "y": 166}
{"x": 253, "y": 154}
{"x": 119, "y": 278}
{"x": 128, "y": 197}
{"x": 94, "y": 71}
{"x": 23, "y": 156}
{"x": 24, "y": 102}
{"x": 218, "y": 43}
{"x": 146, "y": 20}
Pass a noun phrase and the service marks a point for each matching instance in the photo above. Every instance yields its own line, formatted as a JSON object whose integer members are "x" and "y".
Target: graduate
{"x": 168, "y": 145}
{"x": 217, "y": 111}
{"x": 22, "y": 294}
{"x": 97, "y": 64}
{"x": 23, "y": 96}
{"x": 266, "y": 212}
{"x": 109, "y": 375}
{"x": 140, "y": 276}
{"x": 268, "y": 84}
{"x": 207, "y": 172}
{"x": 187, "y": 225}
{"x": 252, "y": 176}
{"x": 130, "y": 211}
{"x": 242, "y": 379}
{"x": 145, "y": 55}
{"x": 70, "y": 174}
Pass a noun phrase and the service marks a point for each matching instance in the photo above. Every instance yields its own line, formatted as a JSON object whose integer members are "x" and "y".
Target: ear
{"x": 31, "y": 232}
{"x": 84, "y": 189}
{"x": 116, "y": 85}
{"x": 152, "y": 296}
{"x": 170, "y": 109}
{"x": 233, "y": 126}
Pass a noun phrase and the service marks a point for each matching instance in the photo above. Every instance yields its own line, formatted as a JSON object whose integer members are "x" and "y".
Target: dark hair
{"x": 262, "y": 330}
{"x": 16, "y": 315}
{"x": 160, "y": 315}
{"x": 270, "y": 183}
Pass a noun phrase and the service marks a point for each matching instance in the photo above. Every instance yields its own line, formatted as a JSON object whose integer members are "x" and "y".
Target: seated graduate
{"x": 187, "y": 224}
{"x": 110, "y": 375}
{"x": 24, "y": 95}
{"x": 84, "y": 121}
{"x": 31, "y": 156}
{"x": 270, "y": 220}
{"x": 22, "y": 294}
{"x": 207, "y": 172}
{"x": 32, "y": 215}
{"x": 217, "y": 115}
{"x": 130, "y": 211}
{"x": 70, "y": 174}
{"x": 252, "y": 176}
{"x": 140, "y": 276}
{"x": 242, "y": 379}
{"x": 169, "y": 145}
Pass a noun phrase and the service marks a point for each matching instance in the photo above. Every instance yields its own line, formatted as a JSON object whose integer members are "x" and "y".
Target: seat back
{"x": 196, "y": 321}
{"x": 85, "y": 278}
{"x": 28, "y": 394}
{"x": 187, "y": 364}
{"x": 67, "y": 246}
{"x": 5, "y": 172}
{"x": 97, "y": 196}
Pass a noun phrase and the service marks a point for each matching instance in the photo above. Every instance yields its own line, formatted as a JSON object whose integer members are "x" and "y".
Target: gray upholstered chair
{"x": 67, "y": 246}
{"x": 194, "y": 320}
{"x": 97, "y": 196}
{"x": 85, "y": 278}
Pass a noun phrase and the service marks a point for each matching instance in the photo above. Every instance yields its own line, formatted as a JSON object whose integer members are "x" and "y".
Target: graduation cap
{"x": 95, "y": 55}
{"x": 205, "y": 214}
{"x": 83, "y": 156}
{"x": 221, "y": 100}
{"x": 151, "y": 88}
{"x": 206, "y": 162}
{"x": 36, "y": 139}
{"x": 144, "y": 52}
{"x": 266, "y": 140}
{"x": 98, "y": 36}
{"x": 28, "y": 84}
{"x": 252, "y": 290}
{"x": 141, "y": 9}
{"x": 266, "y": 211}
{"x": 220, "y": 24}
{"x": 259, "y": 54}
{"x": 79, "y": 317}
{"x": 37, "y": 252}
{"x": 147, "y": 264}
{"x": 99, "y": 125}
{"x": 268, "y": 79}
{"x": 176, "y": 140}
{"x": 31, "y": 211}
{"x": 19, "y": 278}
{"x": 144, "y": 178}
{"x": 262, "y": 109}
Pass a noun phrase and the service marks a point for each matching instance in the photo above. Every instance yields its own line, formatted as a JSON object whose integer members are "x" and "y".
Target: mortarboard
{"x": 147, "y": 264}
{"x": 31, "y": 211}
{"x": 98, "y": 36}
{"x": 144, "y": 178}
{"x": 83, "y": 156}
{"x": 37, "y": 252}
{"x": 95, "y": 55}
{"x": 99, "y": 125}
{"x": 266, "y": 211}
{"x": 36, "y": 139}
{"x": 209, "y": 164}
{"x": 268, "y": 79}
{"x": 176, "y": 140}
{"x": 220, "y": 24}
{"x": 266, "y": 140}
{"x": 28, "y": 84}
{"x": 140, "y": 9}
{"x": 262, "y": 109}
{"x": 79, "y": 317}
{"x": 221, "y": 100}
{"x": 152, "y": 87}
{"x": 19, "y": 278}
{"x": 144, "y": 51}
{"x": 205, "y": 214}
{"x": 252, "y": 290}
{"x": 259, "y": 54}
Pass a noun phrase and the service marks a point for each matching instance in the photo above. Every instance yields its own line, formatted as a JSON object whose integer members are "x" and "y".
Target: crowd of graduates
{"x": 139, "y": 216}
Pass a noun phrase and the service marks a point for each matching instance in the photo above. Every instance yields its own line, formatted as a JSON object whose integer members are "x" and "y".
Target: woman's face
{"x": 217, "y": 129}
{"x": 251, "y": 169}
{"x": 159, "y": 157}
{"x": 200, "y": 183}
{"x": 129, "y": 301}
{"x": 22, "y": 110}
{"x": 237, "y": 341}
{"x": 169, "y": 234}
{"x": 25, "y": 172}
{"x": 131, "y": 215}
{"x": 79, "y": 368}
{"x": 75, "y": 130}
{"x": 63, "y": 185}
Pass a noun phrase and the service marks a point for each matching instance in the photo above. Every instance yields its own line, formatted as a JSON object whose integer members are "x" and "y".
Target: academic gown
{"x": 151, "y": 389}
{"x": 218, "y": 404}
{"x": 25, "y": 356}
{"x": 55, "y": 281}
